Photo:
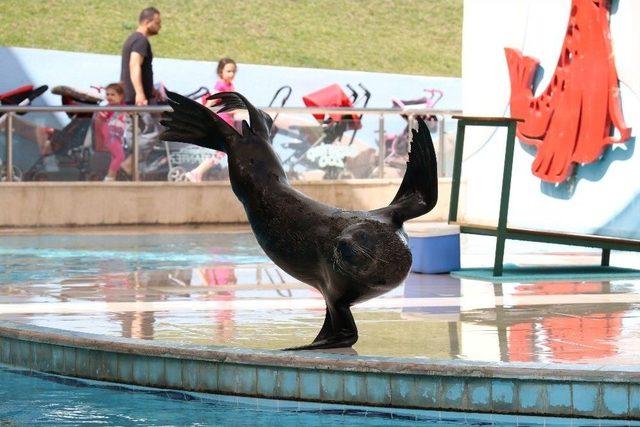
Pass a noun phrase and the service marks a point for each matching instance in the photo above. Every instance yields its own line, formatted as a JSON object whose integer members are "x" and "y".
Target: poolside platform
{"x": 202, "y": 309}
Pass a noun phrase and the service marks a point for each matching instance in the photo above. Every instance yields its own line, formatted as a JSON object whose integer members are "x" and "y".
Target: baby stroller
{"x": 21, "y": 96}
{"x": 397, "y": 145}
{"x": 321, "y": 149}
{"x": 71, "y": 155}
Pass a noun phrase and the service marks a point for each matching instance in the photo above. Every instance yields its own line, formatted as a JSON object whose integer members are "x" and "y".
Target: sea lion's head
{"x": 372, "y": 253}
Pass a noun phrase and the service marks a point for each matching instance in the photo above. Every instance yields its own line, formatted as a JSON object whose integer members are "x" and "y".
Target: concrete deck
{"x": 252, "y": 304}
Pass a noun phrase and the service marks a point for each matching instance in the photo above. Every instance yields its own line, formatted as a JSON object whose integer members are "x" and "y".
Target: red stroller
{"x": 335, "y": 125}
{"x": 310, "y": 150}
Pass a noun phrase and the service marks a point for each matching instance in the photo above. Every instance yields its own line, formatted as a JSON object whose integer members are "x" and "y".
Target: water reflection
{"x": 219, "y": 296}
{"x": 553, "y": 322}
{"x": 135, "y": 324}
{"x": 134, "y": 301}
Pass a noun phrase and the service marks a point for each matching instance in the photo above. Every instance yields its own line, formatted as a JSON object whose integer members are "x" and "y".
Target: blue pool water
{"x": 31, "y": 398}
{"x": 56, "y": 257}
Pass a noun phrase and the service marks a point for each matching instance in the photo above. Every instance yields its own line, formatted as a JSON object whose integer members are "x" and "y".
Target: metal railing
{"x": 8, "y": 112}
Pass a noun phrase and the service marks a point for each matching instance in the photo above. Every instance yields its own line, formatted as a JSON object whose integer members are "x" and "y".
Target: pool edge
{"x": 595, "y": 391}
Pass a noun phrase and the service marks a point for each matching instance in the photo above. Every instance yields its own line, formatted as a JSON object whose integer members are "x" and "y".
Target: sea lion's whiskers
{"x": 366, "y": 253}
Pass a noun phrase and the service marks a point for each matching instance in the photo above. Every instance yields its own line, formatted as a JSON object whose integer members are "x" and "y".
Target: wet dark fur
{"x": 349, "y": 256}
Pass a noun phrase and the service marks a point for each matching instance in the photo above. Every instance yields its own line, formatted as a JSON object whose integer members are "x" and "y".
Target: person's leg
{"x": 196, "y": 174}
{"x": 149, "y": 129}
{"x": 117, "y": 157}
{"x": 126, "y": 165}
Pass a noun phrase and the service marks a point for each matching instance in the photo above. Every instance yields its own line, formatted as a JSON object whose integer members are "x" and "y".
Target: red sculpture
{"x": 570, "y": 121}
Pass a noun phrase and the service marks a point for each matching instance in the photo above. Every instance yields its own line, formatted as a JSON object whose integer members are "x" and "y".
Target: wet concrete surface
{"x": 209, "y": 287}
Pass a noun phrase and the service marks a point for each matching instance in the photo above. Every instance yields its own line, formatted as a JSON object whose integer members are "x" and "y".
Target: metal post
{"x": 504, "y": 199}
{"x": 457, "y": 170}
{"x": 136, "y": 151}
{"x": 606, "y": 257}
{"x": 442, "y": 160}
{"x": 9, "y": 156}
{"x": 382, "y": 149}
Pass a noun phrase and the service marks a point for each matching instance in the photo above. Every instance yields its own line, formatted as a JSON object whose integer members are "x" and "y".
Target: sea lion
{"x": 349, "y": 256}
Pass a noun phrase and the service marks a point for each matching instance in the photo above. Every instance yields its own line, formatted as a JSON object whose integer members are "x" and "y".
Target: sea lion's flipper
{"x": 194, "y": 123}
{"x": 418, "y": 192}
{"x": 327, "y": 328}
{"x": 338, "y": 330}
{"x": 261, "y": 122}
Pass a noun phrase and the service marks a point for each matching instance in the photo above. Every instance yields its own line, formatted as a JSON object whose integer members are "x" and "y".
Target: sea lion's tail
{"x": 418, "y": 192}
{"x": 194, "y": 123}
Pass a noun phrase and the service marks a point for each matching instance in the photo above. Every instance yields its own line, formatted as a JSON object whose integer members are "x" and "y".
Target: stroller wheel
{"x": 17, "y": 174}
{"x": 177, "y": 174}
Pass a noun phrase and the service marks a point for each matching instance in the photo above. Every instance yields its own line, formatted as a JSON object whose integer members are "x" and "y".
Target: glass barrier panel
{"x": 99, "y": 146}
{"x": 445, "y": 143}
{"x": 442, "y": 129}
{"x": 3, "y": 148}
{"x": 336, "y": 147}
{"x": 443, "y": 133}
{"x": 154, "y": 155}
{"x": 53, "y": 147}
{"x": 175, "y": 161}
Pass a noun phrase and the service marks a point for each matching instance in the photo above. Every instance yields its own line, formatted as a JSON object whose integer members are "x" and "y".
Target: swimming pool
{"x": 28, "y": 398}
{"x": 191, "y": 290}
{"x": 54, "y": 257}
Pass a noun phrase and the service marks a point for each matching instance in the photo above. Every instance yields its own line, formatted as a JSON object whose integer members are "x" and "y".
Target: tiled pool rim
{"x": 596, "y": 391}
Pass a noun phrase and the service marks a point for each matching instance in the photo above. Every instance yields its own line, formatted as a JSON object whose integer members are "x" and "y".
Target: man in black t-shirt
{"x": 137, "y": 58}
{"x": 136, "y": 75}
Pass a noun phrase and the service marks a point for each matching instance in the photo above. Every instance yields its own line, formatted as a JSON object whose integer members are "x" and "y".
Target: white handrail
{"x": 162, "y": 108}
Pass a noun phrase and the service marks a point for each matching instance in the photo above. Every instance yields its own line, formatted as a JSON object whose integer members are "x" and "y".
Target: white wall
{"x": 602, "y": 198}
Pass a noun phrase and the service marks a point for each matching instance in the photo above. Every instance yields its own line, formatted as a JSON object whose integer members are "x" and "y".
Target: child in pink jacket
{"x": 226, "y": 70}
{"x": 109, "y": 128}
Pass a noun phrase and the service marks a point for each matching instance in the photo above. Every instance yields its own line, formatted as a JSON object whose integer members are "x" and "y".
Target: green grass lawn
{"x": 404, "y": 36}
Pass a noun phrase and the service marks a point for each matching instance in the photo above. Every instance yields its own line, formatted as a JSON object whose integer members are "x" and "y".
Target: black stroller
{"x": 72, "y": 155}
